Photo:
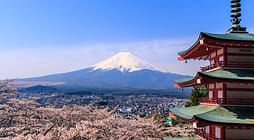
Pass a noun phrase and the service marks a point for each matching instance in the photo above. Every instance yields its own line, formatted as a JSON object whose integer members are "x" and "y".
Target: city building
{"x": 227, "y": 112}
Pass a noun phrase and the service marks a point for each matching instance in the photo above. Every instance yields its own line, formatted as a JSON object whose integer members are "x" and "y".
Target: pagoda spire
{"x": 235, "y": 15}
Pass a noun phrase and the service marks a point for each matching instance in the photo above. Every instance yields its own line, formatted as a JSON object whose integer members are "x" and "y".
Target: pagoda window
{"x": 210, "y": 94}
{"x": 211, "y": 86}
{"x": 210, "y": 91}
{"x": 219, "y": 85}
{"x": 220, "y": 57}
{"x": 220, "y": 97}
{"x": 207, "y": 130}
{"x": 220, "y": 94}
{"x": 217, "y": 132}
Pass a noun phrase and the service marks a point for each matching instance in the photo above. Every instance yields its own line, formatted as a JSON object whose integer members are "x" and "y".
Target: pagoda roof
{"x": 231, "y": 74}
{"x": 231, "y": 36}
{"x": 217, "y": 114}
{"x": 229, "y": 114}
{"x": 223, "y": 74}
{"x": 188, "y": 113}
{"x": 197, "y": 47}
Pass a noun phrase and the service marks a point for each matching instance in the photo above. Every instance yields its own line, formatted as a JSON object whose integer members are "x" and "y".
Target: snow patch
{"x": 124, "y": 62}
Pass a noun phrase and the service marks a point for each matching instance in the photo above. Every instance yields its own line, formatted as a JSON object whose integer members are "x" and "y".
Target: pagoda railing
{"x": 211, "y": 100}
{"x": 212, "y": 66}
{"x": 228, "y": 101}
{"x": 201, "y": 132}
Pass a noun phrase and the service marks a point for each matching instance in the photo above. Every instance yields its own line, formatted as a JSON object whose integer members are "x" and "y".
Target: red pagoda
{"x": 227, "y": 113}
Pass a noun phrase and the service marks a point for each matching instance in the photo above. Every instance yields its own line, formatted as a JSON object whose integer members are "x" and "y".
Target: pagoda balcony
{"x": 201, "y": 133}
{"x": 212, "y": 66}
{"x": 226, "y": 101}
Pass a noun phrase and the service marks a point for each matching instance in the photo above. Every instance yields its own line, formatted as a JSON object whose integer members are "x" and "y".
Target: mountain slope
{"x": 123, "y": 70}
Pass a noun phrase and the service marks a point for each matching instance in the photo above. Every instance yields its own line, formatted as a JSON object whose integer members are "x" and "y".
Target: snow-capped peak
{"x": 123, "y": 61}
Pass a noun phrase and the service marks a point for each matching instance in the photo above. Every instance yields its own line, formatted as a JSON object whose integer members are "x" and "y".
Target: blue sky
{"x": 51, "y": 36}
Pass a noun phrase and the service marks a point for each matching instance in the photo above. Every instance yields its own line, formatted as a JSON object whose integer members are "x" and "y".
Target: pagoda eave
{"x": 202, "y": 78}
{"x": 208, "y": 43}
{"x": 215, "y": 114}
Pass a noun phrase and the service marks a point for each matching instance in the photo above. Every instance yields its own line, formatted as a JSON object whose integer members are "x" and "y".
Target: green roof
{"x": 227, "y": 36}
{"x": 232, "y": 36}
{"x": 181, "y": 81}
{"x": 189, "y": 112}
{"x": 236, "y": 115}
{"x": 231, "y": 74}
{"x": 226, "y": 74}
{"x": 219, "y": 114}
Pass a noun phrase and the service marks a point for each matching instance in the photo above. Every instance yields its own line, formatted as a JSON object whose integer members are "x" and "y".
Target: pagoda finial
{"x": 235, "y": 14}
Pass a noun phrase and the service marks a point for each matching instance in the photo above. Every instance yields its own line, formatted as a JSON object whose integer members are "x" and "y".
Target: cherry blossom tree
{"x": 26, "y": 120}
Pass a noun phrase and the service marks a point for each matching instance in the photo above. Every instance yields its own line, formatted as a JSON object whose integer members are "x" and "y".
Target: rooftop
{"x": 241, "y": 37}
{"x": 231, "y": 36}
{"x": 219, "y": 114}
{"x": 189, "y": 112}
{"x": 222, "y": 74}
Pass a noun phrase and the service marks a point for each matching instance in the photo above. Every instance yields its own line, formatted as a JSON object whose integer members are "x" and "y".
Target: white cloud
{"x": 30, "y": 62}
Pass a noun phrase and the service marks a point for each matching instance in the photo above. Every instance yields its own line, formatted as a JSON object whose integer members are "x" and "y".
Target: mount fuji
{"x": 124, "y": 62}
{"x": 123, "y": 70}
